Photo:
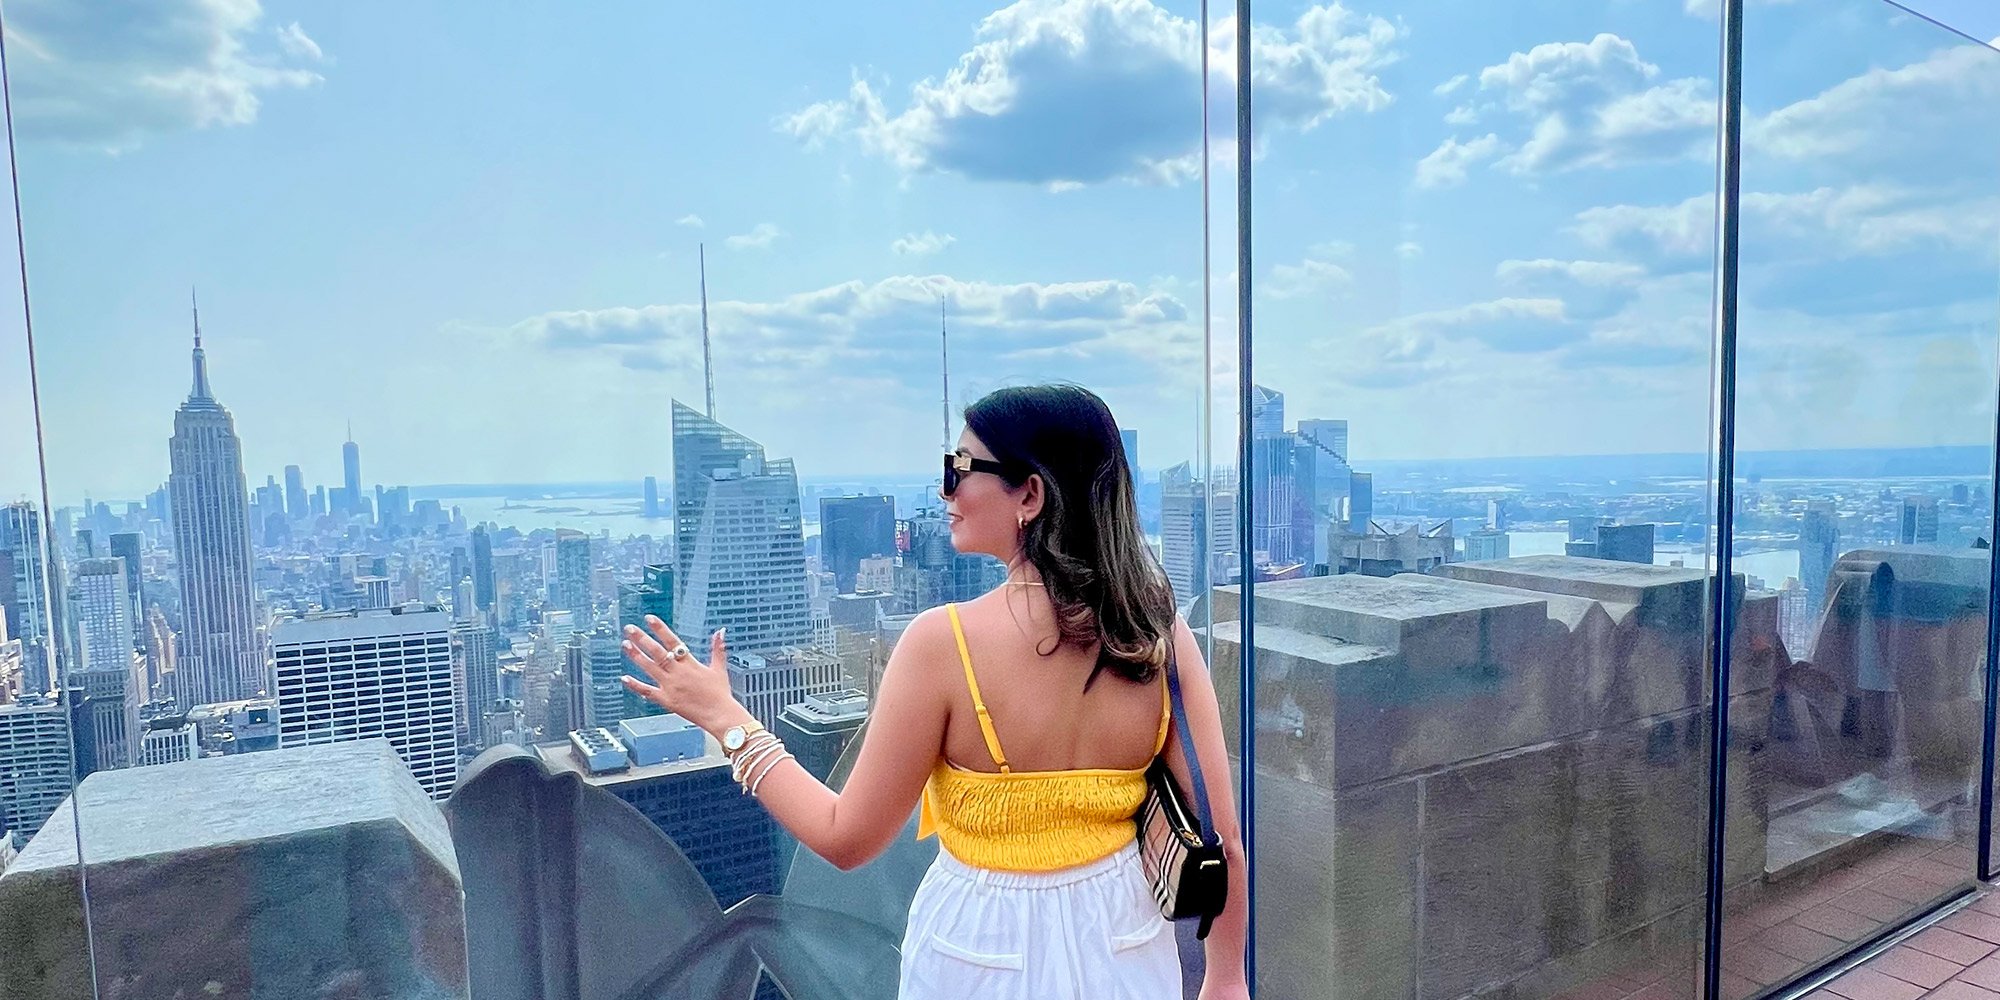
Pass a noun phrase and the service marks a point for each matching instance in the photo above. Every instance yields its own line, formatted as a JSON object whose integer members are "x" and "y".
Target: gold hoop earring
{"x": 1021, "y": 521}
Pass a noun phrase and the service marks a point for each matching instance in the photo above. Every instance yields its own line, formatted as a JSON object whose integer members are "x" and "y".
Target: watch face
{"x": 733, "y": 739}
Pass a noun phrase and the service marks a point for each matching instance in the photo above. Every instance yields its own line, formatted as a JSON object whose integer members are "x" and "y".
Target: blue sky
{"x": 1479, "y": 231}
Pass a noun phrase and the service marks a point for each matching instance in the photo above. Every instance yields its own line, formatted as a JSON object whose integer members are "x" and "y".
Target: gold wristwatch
{"x": 734, "y": 738}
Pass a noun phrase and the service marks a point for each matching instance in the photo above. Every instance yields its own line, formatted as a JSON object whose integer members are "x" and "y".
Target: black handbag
{"x": 1178, "y": 847}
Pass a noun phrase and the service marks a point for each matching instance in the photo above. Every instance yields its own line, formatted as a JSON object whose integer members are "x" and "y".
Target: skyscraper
{"x": 1274, "y": 478}
{"x": 1486, "y": 544}
{"x": 126, "y": 545}
{"x": 356, "y": 675}
{"x": 652, "y": 502}
{"x": 1130, "y": 439}
{"x": 10, "y": 668}
{"x": 725, "y": 834}
{"x": 106, "y": 631}
{"x": 852, "y": 529}
{"x": 105, "y": 715}
{"x": 767, "y": 682}
{"x": 652, "y": 594}
{"x": 934, "y": 572}
{"x": 1631, "y": 543}
{"x": 350, "y": 463}
{"x": 1360, "y": 502}
{"x": 162, "y": 655}
{"x": 818, "y": 728}
{"x": 1819, "y": 548}
{"x": 1184, "y": 532}
{"x": 1920, "y": 520}
{"x": 1331, "y": 475}
{"x": 482, "y": 569}
{"x": 24, "y": 590}
{"x": 297, "y": 504}
{"x": 475, "y": 649}
{"x": 569, "y": 586}
{"x": 220, "y": 656}
{"x": 605, "y": 700}
{"x": 35, "y": 749}
{"x": 742, "y": 542}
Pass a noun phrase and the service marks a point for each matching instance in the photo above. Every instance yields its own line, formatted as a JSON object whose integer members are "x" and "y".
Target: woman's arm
{"x": 1226, "y": 937}
{"x": 899, "y": 746}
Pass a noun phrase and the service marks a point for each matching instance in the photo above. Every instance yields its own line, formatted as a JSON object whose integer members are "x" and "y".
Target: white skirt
{"x": 1092, "y": 931}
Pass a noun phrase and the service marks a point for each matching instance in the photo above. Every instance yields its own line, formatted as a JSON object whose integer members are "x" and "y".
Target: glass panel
{"x": 1865, "y": 401}
{"x": 441, "y": 421}
{"x": 39, "y": 753}
{"x": 1478, "y": 482}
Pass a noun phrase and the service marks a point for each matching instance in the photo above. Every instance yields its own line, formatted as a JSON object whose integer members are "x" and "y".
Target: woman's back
{"x": 1042, "y": 716}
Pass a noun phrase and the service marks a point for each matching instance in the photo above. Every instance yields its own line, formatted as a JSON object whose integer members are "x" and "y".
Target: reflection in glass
{"x": 1478, "y": 503}
{"x": 1866, "y": 399}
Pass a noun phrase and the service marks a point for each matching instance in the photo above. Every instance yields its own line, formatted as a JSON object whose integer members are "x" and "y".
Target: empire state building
{"x": 221, "y": 658}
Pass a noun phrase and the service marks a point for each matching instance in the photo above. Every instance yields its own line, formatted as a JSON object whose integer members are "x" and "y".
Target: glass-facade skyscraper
{"x": 742, "y": 542}
{"x": 852, "y": 529}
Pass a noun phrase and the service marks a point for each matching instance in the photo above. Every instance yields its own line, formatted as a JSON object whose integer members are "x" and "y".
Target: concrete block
{"x": 317, "y": 872}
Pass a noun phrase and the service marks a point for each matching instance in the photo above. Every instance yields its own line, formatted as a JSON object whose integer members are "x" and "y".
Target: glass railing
{"x": 1865, "y": 393}
{"x": 1478, "y": 448}
{"x": 504, "y": 335}
{"x": 487, "y": 354}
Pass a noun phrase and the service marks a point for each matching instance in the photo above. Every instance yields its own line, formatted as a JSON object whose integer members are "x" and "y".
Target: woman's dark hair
{"x": 1102, "y": 579}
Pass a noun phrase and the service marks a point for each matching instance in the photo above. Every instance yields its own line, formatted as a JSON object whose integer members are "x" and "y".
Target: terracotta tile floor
{"x": 1779, "y": 931}
{"x": 1958, "y": 959}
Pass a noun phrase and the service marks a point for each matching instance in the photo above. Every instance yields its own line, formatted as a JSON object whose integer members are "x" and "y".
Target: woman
{"x": 1023, "y": 721}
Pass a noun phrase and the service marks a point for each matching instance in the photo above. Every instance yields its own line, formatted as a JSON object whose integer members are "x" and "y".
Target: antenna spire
{"x": 707, "y": 361}
{"x": 200, "y": 389}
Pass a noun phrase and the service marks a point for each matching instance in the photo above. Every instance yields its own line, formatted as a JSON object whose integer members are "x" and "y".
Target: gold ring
{"x": 679, "y": 652}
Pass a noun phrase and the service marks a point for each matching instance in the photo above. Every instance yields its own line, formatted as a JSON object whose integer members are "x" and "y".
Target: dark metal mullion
{"x": 1721, "y": 610}
{"x": 1246, "y": 708}
{"x": 1992, "y": 678}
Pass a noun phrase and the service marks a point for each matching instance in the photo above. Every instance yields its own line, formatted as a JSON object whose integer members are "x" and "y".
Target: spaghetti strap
{"x": 1166, "y": 714}
{"x": 978, "y": 703}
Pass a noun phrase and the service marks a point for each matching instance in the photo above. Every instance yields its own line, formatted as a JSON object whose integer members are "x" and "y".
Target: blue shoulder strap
{"x": 1208, "y": 837}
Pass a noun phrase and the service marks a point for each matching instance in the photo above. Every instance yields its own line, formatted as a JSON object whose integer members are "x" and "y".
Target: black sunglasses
{"x": 956, "y": 466}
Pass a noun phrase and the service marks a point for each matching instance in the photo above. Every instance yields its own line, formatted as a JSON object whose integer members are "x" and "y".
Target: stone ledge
{"x": 318, "y": 871}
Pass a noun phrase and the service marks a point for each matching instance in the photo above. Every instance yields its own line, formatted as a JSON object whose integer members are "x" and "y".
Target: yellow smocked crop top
{"x": 1030, "y": 821}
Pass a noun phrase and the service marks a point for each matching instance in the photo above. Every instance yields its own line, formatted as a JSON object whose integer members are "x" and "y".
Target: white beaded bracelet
{"x": 749, "y": 758}
{"x": 767, "y": 772}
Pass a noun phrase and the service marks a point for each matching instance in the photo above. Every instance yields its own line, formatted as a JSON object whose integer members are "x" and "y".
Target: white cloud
{"x": 1551, "y": 74}
{"x": 1412, "y": 349}
{"x": 1308, "y": 276}
{"x": 295, "y": 43}
{"x": 759, "y": 238}
{"x": 1569, "y": 105}
{"x": 922, "y": 244}
{"x": 1825, "y": 223}
{"x": 1447, "y": 164}
{"x": 1594, "y": 273}
{"x": 1450, "y": 87}
{"x": 1909, "y": 117}
{"x": 166, "y": 66}
{"x": 1409, "y": 250}
{"x": 1331, "y": 250}
{"x": 1687, "y": 227}
{"x": 691, "y": 221}
{"x": 890, "y": 326}
{"x": 1066, "y": 92}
